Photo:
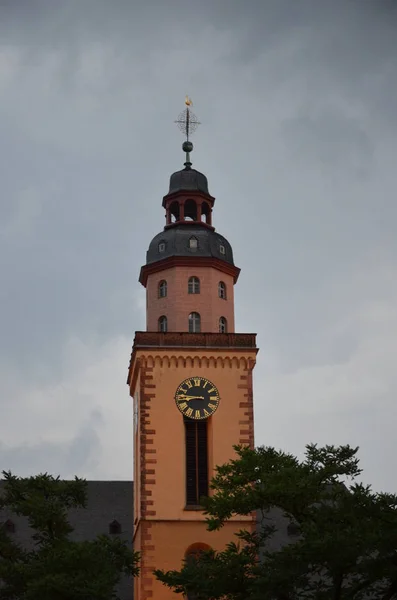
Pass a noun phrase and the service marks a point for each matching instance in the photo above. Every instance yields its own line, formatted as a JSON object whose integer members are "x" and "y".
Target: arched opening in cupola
{"x": 174, "y": 212}
{"x": 190, "y": 210}
{"x": 206, "y": 213}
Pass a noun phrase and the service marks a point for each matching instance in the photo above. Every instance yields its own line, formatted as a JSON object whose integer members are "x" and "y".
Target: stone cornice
{"x": 188, "y": 261}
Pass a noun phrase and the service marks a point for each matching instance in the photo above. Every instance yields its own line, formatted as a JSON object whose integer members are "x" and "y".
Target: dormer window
{"x": 114, "y": 528}
{"x": 162, "y": 247}
{"x": 293, "y": 529}
{"x": 222, "y": 249}
{"x": 193, "y": 243}
{"x": 9, "y": 526}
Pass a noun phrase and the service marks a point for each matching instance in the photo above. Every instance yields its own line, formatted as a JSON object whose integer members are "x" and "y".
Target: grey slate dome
{"x": 188, "y": 180}
{"x": 176, "y": 241}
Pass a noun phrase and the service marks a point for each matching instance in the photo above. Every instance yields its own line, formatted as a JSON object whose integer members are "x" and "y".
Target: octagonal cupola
{"x": 188, "y": 200}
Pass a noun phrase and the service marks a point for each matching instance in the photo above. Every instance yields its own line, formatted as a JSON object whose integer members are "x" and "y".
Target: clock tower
{"x": 190, "y": 378}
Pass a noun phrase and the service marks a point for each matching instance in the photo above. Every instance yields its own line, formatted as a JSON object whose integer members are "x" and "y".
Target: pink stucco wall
{"x": 178, "y": 303}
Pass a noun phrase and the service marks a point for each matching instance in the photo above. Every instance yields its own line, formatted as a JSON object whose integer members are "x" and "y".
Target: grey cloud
{"x": 80, "y": 455}
{"x": 330, "y": 140}
{"x": 298, "y": 142}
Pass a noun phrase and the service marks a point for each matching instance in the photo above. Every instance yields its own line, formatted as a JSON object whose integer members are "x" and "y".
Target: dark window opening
{"x": 293, "y": 529}
{"x": 222, "y": 249}
{"x": 114, "y": 527}
{"x": 205, "y": 212}
{"x": 163, "y": 324}
{"x": 174, "y": 212}
{"x": 193, "y": 286}
{"x": 9, "y": 526}
{"x": 194, "y": 323}
{"x": 222, "y": 325}
{"x": 196, "y": 461}
{"x": 162, "y": 247}
{"x": 222, "y": 290}
{"x": 162, "y": 289}
{"x": 190, "y": 210}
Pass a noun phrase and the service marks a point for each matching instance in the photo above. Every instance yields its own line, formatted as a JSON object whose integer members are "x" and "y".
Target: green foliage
{"x": 346, "y": 547}
{"x": 57, "y": 568}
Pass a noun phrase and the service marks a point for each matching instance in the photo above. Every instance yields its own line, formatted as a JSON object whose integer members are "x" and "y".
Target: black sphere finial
{"x": 187, "y": 146}
{"x": 187, "y": 123}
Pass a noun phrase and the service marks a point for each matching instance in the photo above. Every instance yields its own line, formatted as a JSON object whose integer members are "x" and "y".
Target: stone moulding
{"x": 151, "y": 344}
{"x": 187, "y": 261}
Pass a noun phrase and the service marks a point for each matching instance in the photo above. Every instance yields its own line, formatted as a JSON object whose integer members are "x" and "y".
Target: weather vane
{"x": 187, "y": 123}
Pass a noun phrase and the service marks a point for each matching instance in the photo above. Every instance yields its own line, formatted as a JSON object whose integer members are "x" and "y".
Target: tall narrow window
{"x": 222, "y": 325}
{"x": 163, "y": 323}
{"x": 196, "y": 461}
{"x": 162, "y": 289}
{"x": 193, "y": 286}
{"x": 222, "y": 290}
{"x": 194, "y": 323}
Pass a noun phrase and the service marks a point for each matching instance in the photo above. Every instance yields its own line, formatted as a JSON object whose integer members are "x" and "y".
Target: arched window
{"x": 193, "y": 286}
{"x": 162, "y": 289}
{"x": 222, "y": 290}
{"x": 163, "y": 323}
{"x": 195, "y": 550}
{"x": 193, "y": 243}
{"x": 194, "y": 323}
{"x": 222, "y": 325}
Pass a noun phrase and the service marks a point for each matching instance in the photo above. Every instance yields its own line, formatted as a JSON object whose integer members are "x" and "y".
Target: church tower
{"x": 190, "y": 378}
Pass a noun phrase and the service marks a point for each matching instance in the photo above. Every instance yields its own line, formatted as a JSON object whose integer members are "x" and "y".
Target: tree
{"x": 57, "y": 568}
{"x": 347, "y": 534}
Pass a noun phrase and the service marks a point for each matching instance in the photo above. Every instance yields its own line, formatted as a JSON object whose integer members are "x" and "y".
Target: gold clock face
{"x": 197, "y": 398}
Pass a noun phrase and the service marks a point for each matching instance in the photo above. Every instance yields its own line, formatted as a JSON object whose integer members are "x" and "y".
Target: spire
{"x": 187, "y": 123}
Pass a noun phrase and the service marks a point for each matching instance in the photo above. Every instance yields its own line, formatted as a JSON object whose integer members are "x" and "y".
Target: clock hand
{"x": 182, "y": 397}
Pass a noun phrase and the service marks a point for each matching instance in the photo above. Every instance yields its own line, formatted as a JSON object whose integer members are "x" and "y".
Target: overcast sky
{"x": 297, "y": 100}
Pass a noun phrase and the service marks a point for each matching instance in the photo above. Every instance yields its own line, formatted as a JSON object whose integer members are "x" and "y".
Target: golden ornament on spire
{"x": 188, "y": 101}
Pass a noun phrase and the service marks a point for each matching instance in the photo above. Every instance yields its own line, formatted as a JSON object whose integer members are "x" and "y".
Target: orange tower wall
{"x": 164, "y": 526}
